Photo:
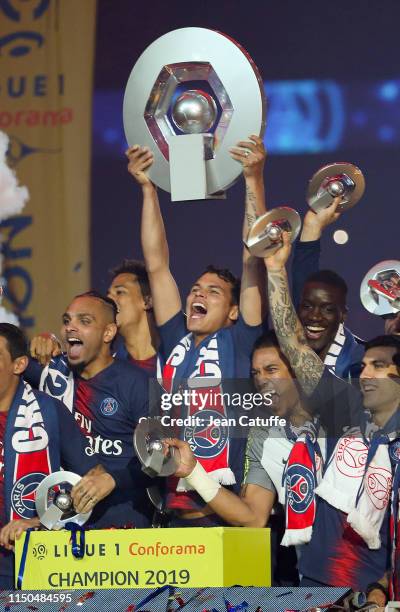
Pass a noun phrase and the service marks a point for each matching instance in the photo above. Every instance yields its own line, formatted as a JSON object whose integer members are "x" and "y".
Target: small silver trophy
{"x": 339, "y": 179}
{"x": 54, "y": 503}
{"x": 265, "y": 236}
{"x": 191, "y": 96}
{"x": 156, "y": 457}
{"x": 380, "y": 288}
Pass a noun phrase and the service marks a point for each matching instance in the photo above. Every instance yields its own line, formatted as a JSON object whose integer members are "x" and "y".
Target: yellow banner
{"x": 148, "y": 558}
{"x": 46, "y": 68}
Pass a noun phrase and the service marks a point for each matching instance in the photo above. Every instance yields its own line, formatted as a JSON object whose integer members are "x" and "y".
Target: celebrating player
{"x": 350, "y": 538}
{"x": 37, "y": 436}
{"x": 107, "y": 397}
{"x": 130, "y": 290}
{"x": 320, "y": 298}
{"x": 223, "y": 320}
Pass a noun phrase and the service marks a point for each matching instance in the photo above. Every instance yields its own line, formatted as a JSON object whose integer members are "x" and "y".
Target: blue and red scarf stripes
{"x": 203, "y": 369}
{"x": 300, "y": 478}
{"x": 31, "y": 450}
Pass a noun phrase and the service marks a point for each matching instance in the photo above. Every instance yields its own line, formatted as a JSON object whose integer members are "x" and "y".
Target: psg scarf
{"x": 57, "y": 380}
{"x": 31, "y": 451}
{"x": 301, "y": 476}
{"x": 358, "y": 479}
{"x": 342, "y": 353}
{"x": 394, "y": 582}
{"x": 201, "y": 369}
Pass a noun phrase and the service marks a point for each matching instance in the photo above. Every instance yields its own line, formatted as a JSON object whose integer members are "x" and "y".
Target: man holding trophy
{"x": 223, "y": 322}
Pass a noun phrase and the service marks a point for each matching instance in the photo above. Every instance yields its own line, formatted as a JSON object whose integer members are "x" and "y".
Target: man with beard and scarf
{"x": 270, "y": 452}
{"x": 213, "y": 342}
{"x": 319, "y": 297}
{"x": 107, "y": 397}
{"x": 350, "y": 542}
{"x": 38, "y": 436}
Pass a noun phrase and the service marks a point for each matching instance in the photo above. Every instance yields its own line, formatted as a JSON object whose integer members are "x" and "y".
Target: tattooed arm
{"x": 305, "y": 363}
{"x": 252, "y": 295}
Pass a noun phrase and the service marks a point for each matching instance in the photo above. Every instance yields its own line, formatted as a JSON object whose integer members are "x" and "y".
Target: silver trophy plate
{"x": 232, "y": 109}
{"x": 339, "y": 179}
{"x": 156, "y": 458}
{"x": 53, "y": 501}
{"x": 265, "y": 235}
{"x": 380, "y": 288}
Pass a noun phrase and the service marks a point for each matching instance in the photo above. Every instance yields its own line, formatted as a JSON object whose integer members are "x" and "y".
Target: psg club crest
{"x": 23, "y": 494}
{"x": 109, "y": 406}
{"x": 351, "y": 456}
{"x": 300, "y": 487}
{"x": 378, "y": 486}
{"x": 394, "y": 451}
{"x": 208, "y": 438}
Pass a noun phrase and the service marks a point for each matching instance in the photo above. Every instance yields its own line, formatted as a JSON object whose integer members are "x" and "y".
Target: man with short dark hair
{"x": 213, "y": 341}
{"x": 37, "y": 436}
{"x": 320, "y": 298}
{"x": 263, "y": 479}
{"x": 107, "y": 397}
{"x": 138, "y": 339}
{"x": 350, "y": 543}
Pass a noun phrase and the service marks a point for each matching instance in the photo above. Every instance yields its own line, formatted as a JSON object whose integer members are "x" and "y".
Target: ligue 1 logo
{"x": 109, "y": 406}
{"x": 208, "y": 439}
{"x": 39, "y": 551}
{"x": 23, "y": 494}
{"x": 351, "y": 457}
{"x": 300, "y": 487}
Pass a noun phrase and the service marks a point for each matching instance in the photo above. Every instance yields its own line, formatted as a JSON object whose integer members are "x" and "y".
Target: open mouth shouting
{"x": 198, "y": 311}
{"x": 74, "y": 348}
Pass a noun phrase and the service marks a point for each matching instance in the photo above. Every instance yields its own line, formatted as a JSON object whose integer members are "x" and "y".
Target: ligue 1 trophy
{"x": 265, "y": 236}
{"x": 380, "y": 288}
{"x": 191, "y": 96}
{"x": 340, "y": 179}
{"x": 54, "y": 503}
{"x": 156, "y": 457}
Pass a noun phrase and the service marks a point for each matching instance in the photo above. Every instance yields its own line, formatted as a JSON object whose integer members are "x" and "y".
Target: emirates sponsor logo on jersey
{"x": 103, "y": 446}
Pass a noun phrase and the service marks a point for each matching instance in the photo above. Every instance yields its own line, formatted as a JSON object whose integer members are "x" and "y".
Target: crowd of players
{"x": 74, "y": 402}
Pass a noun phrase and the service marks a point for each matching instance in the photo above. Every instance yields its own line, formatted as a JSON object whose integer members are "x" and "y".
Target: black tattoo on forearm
{"x": 251, "y": 207}
{"x": 305, "y": 363}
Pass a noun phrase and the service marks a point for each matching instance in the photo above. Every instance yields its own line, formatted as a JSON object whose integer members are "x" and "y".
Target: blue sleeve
{"x": 338, "y": 404}
{"x": 244, "y": 335}
{"x": 33, "y": 373}
{"x": 170, "y": 333}
{"x": 305, "y": 262}
{"x": 73, "y": 443}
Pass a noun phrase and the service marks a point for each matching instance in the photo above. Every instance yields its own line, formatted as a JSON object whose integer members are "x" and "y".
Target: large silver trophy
{"x": 192, "y": 95}
{"x": 340, "y": 179}
{"x": 156, "y": 457}
{"x": 380, "y": 288}
{"x": 54, "y": 503}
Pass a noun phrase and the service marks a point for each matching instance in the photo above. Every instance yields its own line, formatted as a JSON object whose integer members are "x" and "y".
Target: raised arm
{"x": 251, "y": 154}
{"x": 305, "y": 363}
{"x": 251, "y": 509}
{"x": 165, "y": 294}
{"x": 307, "y": 250}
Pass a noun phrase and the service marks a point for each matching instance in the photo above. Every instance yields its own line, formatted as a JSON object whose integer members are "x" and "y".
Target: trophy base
{"x": 187, "y": 165}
